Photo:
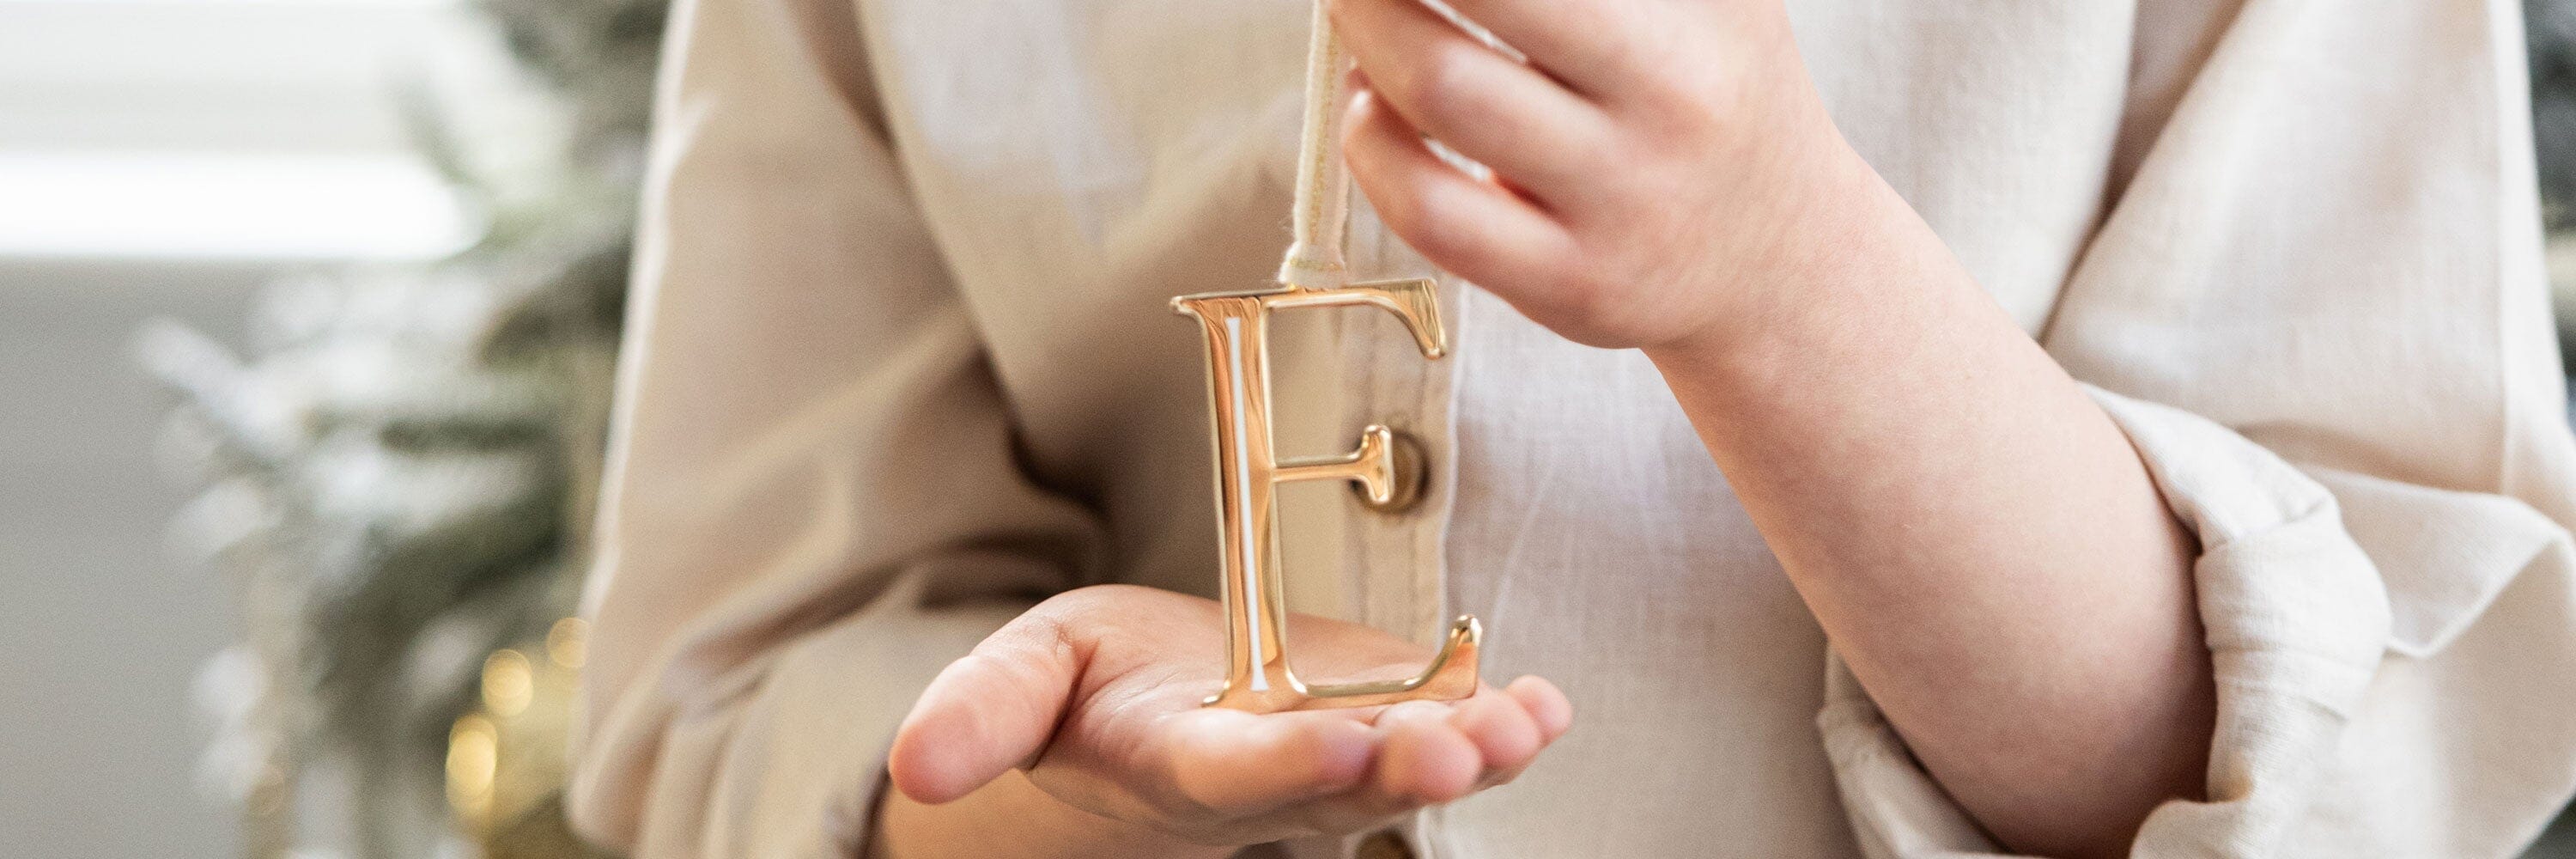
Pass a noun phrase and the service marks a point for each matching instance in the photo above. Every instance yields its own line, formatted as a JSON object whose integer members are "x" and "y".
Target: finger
{"x": 1474, "y": 228}
{"x": 1505, "y": 737}
{"x": 1594, "y": 46}
{"x": 1547, "y": 706}
{"x": 1360, "y": 809}
{"x": 1423, "y": 757}
{"x": 986, "y": 713}
{"x": 1487, "y": 106}
{"x": 1234, "y": 763}
{"x": 1393, "y": 789}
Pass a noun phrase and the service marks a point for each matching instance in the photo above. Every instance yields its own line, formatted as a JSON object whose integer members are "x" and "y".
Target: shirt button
{"x": 1411, "y": 467}
{"x": 1383, "y": 845}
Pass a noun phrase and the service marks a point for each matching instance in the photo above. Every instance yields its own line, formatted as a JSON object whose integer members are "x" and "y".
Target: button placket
{"x": 1400, "y": 555}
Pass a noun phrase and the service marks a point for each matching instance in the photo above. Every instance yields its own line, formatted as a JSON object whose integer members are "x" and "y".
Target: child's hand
{"x": 1095, "y": 695}
{"x": 1660, "y": 168}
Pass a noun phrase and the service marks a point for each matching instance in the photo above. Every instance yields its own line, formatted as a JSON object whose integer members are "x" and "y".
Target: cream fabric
{"x": 899, "y": 364}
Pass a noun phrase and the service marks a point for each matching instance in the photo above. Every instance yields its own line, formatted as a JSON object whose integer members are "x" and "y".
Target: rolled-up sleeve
{"x": 812, "y": 501}
{"x": 2316, "y": 307}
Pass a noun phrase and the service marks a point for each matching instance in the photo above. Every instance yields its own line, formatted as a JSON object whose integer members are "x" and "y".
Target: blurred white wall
{"x": 164, "y": 158}
{"x": 102, "y": 631}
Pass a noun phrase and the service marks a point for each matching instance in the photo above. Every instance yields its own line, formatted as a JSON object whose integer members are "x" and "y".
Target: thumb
{"x": 987, "y": 713}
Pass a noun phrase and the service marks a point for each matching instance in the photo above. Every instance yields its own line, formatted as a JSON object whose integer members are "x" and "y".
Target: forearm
{"x": 1013, "y": 818}
{"x": 1980, "y": 542}
{"x": 1978, "y": 539}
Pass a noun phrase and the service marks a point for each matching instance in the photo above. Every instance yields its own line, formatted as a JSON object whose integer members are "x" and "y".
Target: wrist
{"x": 1012, "y": 817}
{"x": 1858, "y": 270}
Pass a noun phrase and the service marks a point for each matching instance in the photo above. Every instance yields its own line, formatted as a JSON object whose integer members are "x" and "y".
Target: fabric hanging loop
{"x": 1321, "y": 213}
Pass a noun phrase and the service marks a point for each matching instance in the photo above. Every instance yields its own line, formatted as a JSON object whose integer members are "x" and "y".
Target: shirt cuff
{"x": 786, "y": 757}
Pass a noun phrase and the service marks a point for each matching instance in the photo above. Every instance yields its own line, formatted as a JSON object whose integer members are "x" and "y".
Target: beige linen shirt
{"x": 899, "y": 363}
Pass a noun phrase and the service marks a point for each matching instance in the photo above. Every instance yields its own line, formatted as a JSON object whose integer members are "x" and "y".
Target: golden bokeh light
{"x": 508, "y": 683}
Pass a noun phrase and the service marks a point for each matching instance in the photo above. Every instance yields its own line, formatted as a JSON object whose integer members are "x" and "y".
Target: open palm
{"x": 1096, "y": 695}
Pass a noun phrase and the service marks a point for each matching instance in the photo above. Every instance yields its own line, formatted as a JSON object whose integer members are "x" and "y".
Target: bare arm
{"x": 1978, "y": 539}
{"x": 1980, "y": 542}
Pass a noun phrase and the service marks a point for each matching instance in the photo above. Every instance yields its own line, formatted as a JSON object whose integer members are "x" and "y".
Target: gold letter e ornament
{"x": 1249, "y": 470}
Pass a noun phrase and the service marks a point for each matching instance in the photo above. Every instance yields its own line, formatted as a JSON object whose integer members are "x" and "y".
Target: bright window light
{"x": 227, "y": 206}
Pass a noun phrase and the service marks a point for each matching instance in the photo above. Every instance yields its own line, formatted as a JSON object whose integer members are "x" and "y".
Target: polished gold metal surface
{"x": 1384, "y": 470}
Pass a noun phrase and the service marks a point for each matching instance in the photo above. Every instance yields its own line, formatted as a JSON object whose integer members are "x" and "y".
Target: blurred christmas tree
{"x": 2550, "y": 30}
{"x": 399, "y": 476}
